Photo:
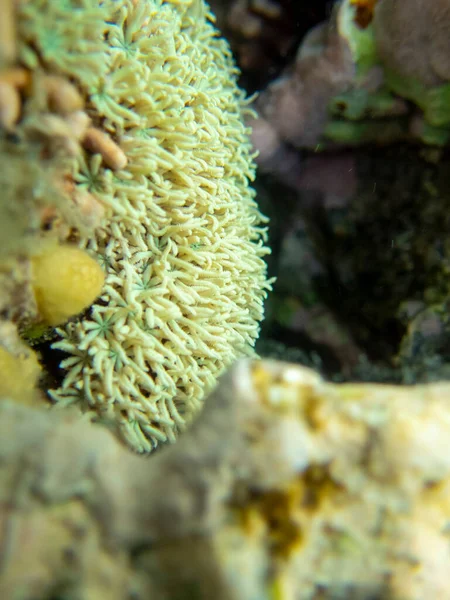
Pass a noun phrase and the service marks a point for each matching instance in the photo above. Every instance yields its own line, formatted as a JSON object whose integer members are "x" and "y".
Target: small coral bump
{"x": 99, "y": 142}
{"x": 63, "y": 96}
{"x": 10, "y": 105}
{"x": 56, "y": 131}
{"x": 78, "y": 121}
{"x": 90, "y": 211}
{"x": 18, "y": 77}
{"x": 66, "y": 280}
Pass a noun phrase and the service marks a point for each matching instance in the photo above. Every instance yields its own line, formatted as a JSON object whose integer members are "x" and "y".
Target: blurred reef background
{"x": 354, "y": 107}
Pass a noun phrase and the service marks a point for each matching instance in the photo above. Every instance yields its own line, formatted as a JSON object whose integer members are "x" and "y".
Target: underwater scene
{"x": 224, "y": 300}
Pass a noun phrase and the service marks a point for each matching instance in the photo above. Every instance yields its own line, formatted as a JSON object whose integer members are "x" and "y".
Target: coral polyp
{"x": 182, "y": 241}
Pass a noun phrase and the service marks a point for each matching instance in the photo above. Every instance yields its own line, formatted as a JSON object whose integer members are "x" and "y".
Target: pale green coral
{"x": 183, "y": 240}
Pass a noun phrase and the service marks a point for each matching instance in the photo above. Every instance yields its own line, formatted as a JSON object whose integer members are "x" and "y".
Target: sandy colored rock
{"x": 286, "y": 487}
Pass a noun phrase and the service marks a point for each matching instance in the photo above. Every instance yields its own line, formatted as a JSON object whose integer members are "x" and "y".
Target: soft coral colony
{"x": 182, "y": 241}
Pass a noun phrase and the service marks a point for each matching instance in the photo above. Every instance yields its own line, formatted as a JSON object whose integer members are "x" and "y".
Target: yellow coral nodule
{"x": 66, "y": 280}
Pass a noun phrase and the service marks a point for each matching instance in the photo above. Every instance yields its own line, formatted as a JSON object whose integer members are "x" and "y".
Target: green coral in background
{"x": 377, "y": 53}
{"x": 360, "y": 40}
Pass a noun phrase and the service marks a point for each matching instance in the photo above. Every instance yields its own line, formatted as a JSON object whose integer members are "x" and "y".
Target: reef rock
{"x": 285, "y": 487}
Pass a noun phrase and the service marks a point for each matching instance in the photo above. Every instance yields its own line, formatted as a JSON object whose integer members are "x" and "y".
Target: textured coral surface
{"x": 182, "y": 240}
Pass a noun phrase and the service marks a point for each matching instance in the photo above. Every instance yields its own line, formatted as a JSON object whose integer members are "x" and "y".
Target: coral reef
{"x": 366, "y": 233}
{"x": 165, "y": 151}
{"x": 42, "y": 124}
{"x": 412, "y": 45}
{"x": 374, "y": 72}
{"x": 296, "y": 104}
{"x": 40, "y": 117}
{"x": 128, "y": 219}
{"x": 285, "y": 487}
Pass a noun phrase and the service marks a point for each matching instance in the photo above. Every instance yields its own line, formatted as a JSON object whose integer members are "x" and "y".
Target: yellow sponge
{"x": 66, "y": 280}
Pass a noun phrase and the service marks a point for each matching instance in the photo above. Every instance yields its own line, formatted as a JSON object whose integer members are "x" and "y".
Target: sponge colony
{"x": 66, "y": 280}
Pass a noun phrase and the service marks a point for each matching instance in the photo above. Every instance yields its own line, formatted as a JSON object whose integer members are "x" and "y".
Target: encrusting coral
{"x": 182, "y": 242}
